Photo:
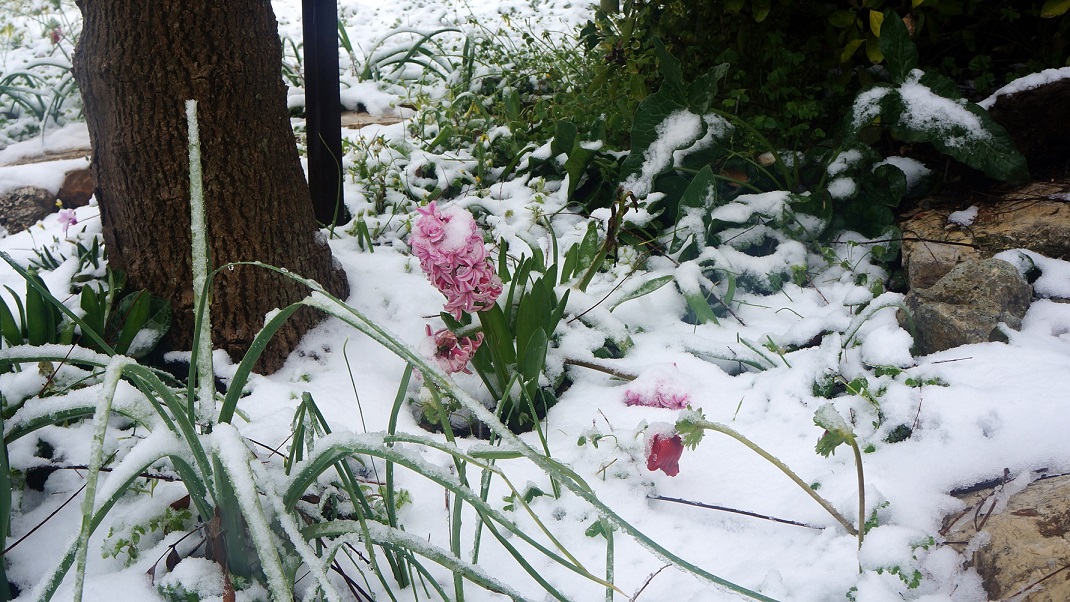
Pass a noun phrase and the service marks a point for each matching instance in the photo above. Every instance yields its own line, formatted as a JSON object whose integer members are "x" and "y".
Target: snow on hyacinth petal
{"x": 662, "y": 395}
{"x": 450, "y": 249}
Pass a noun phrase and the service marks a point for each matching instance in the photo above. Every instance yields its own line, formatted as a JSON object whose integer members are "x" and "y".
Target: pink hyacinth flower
{"x": 663, "y": 396}
{"x": 452, "y": 353}
{"x": 451, "y": 253}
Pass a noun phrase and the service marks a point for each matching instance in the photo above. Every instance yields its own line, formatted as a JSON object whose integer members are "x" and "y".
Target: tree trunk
{"x": 136, "y": 63}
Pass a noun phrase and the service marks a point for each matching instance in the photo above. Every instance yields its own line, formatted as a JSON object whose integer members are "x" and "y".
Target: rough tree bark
{"x": 136, "y": 63}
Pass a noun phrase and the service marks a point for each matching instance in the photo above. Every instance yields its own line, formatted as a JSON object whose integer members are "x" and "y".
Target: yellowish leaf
{"x": 1054, "y": 8}
{"x": 873, "y": 50}
{"x": 875, "y": 20}
{"x": 850, "y": 49}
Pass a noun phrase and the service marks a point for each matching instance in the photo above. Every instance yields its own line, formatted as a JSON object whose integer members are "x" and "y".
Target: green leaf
{"x": 669, "y": 67}
{"x": 842, "y": 18}
{"x": 761, "y": 9}
{"x": 132, "y": 313}
{"x": 897, "y": 47}
{"x": 41, "y": 317}
{"x": 876, "y": 20}
{"x": 873, "y": 50}
{"x": 701, "y": 308}
{"x": 93, "y": 303}
{"x": 511, "y": 99}
{"x": 733, "y": 6}
{"x": 837, "y": 431}
{"x": 1054, "y": 8}
{"x": 991, "y": 150}
{"x": 702, "y": 92}
{"x": 850, "y": 49}
{"x": 589, "y": 247}
{"x": 564, "y": 139}
{"x": 10, "y": 330}
{"x": 650, "y": 114}
{"x": 644, "y": 289}
{"x": 699, "y": 195}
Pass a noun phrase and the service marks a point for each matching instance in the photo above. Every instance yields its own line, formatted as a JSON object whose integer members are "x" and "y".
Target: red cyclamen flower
{"x": 451, "y": 253}
{"x": 664, "y": 454}
{"x": 453, "y": 353}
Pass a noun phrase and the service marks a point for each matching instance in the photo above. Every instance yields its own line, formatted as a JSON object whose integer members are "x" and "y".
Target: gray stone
{"x": 23, "y": 207}
{"x": 1019, "y": 544}
{"x": 967, "y": 306}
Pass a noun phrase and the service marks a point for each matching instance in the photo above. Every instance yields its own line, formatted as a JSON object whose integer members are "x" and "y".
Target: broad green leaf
{"x": 669, "y": 67}
{"x": 702, "y": 92}
{"x": 650, "y": 114}
{"x": 733, "y": 6}
{"x": 701, "y": 308}
{"x": 1054, "y": 8}
{"x": 897, "y": 47}
{"x": 564, "y": 139}
{"x": 876, "y": 19}
{"x": 644, "y": 289}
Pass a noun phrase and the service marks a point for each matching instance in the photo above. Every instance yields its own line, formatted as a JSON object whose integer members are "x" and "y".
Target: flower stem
{"x": 861, "y": 491}
{"x": 720, "y": 428}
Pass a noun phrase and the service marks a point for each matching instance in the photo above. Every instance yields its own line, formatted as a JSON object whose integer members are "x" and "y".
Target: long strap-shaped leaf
{"x": 401, "y": 539}
{"x": 323, "y": 300}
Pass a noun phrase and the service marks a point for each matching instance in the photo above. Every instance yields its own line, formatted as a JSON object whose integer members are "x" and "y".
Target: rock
{"x": 1035, "y": 217}
{"x": 967, "y": 305}
{"x": 77, "y": 188}
{"x": 1038, "y": 121}
{"x": 1022, "y": 549}
{"x": 23, "y": 207}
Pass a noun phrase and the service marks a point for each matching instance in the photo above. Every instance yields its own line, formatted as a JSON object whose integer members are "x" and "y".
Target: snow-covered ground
{"x": 973, "y": 411}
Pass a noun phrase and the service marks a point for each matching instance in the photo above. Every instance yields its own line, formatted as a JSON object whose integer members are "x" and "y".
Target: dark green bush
{"x": 795, "y": 65}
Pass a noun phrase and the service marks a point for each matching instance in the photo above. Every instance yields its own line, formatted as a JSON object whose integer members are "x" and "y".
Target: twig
{"x": 1038, "y": 581}
{"x": 600, "y": 368}
{"x": 732, "y": 510}
{"x": 647, "y": 582}
{"x": 42, "y": 523}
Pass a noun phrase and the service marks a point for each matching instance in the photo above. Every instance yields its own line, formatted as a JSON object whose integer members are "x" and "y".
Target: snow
{"x": 963, "y": 218}
{"x": 679, "y": 130}
{"x": 970, "y": 409}
{"x": 1028, "y": 82}
{"x": 914, "y": 170}
{"x": 927, "y": 111}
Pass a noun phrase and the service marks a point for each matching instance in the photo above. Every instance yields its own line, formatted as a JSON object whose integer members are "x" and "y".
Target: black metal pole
{"x": 323, "y": 110}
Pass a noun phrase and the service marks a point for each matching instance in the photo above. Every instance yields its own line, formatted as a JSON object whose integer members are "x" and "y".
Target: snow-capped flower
{"x": 67, "y": 218}
{"x": 662, "y": 397}
{"x": 664, "y": 453}
{"x": 452, "y": 352}
{"x": 451, "y": 253}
